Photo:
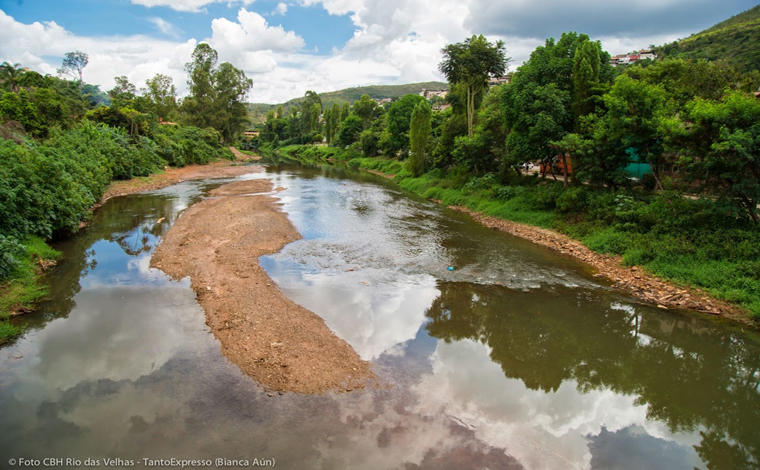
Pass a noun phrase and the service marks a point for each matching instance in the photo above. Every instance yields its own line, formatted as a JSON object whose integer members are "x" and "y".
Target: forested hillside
{"x": 258, "y": 111}
{"x": 734, "y": 40}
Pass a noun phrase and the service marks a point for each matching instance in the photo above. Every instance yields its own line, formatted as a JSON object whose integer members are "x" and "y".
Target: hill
{"x": 734, "y": 40}
{"x": 258, "y": 111}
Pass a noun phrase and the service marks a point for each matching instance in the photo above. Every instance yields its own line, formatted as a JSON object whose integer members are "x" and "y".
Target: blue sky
{"x": 290, "y": 46}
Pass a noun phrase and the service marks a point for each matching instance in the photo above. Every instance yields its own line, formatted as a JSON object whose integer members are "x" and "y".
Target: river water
{"x": 516, "y": 358}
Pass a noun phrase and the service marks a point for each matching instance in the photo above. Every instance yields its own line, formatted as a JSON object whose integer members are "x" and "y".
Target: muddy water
{"x": 517, "y": 358}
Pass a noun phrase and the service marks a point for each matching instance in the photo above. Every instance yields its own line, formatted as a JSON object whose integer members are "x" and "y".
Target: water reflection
{"x": 699, "y": 381}
{"x": 516, "y": 359}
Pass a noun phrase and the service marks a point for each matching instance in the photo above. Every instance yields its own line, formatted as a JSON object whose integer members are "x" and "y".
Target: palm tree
{"x": 9, "y": 74}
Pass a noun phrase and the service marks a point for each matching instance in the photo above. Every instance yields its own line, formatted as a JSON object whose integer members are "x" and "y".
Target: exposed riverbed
{"x": 518, "y": 358}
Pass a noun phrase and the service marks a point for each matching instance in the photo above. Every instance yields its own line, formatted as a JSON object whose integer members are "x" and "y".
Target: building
{"x": 250, "y": 134}
{"x": 625, "y": 59}
{"x": 495, "y": 81}
{"x": 430, "y": 94}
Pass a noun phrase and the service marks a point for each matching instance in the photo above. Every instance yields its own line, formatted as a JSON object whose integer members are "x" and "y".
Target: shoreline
{"x": 632, "y": 280}
{"x": 172, "y": 176}
{"x": 281, "y": 345}
{"x": 635, "y": 280}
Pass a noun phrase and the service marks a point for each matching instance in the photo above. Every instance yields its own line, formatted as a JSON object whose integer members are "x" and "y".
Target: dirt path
{"x": 280, "y": 344}
{"x": 218, "y": 169}
{"x": 633, "y": 280}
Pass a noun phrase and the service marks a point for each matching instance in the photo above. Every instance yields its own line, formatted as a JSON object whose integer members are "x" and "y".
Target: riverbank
{"x": 171, "y": 176}
{"x": 663, "y": 249}
{"x": 19, "y": 294}
{"x": 280, "y": 344}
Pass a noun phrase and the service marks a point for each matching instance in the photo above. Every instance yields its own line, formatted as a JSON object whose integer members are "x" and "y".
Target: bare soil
{"x": 633, "y": 280}
{"x": 280, "y": 344}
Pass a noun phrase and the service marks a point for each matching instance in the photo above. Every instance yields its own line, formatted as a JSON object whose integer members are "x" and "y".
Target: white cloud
{"x": 282, "y": 8}
{"x": 165, "y": 27}
{"x": 41, "y": 46}
{"x": 252, "y": 33}
{"x": 193, "y": 6}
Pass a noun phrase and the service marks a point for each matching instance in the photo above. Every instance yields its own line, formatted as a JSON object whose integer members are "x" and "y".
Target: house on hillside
{"x": 250, "y": 134}
{"x": 625, "y": 59}
{"x": 494, "y": 81}
{"x": 382, "y": 101}
{"x": 430, "y": 94}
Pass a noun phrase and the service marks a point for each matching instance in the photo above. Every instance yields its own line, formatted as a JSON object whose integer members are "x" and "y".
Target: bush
{"x": 10, "y": 253}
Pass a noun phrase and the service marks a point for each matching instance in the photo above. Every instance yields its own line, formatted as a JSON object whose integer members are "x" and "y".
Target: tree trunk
{"x": 470, "y": 109}
{"x": 658, "y": 183}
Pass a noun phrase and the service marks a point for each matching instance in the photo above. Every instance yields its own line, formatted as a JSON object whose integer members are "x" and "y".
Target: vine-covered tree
{"x": 471, "y": 63}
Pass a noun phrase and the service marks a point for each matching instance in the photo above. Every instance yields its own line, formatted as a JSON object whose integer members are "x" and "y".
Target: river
{"x": 516, "y": 358}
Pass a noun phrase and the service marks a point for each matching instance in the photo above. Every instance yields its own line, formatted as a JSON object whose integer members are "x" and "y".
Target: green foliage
{"x": 419, "y": 133}
{"x": 350, "y": 130}
{"x": 733, "y": 41}
{"x": 399, "y": 118}
{"x": 470, "y": 63}
{"x": 217, "y": 94}
{"x": 720, "y": 148}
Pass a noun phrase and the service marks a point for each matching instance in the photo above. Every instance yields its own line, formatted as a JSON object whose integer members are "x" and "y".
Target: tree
{"x": 399, "y": 117}
{"x": 280, "y": 112}
{"x": 586, "y": 66}
{"x": 471, "y": 63}
{"x": 419, "y": 132}
{"x": 311, "y": 109}
{"x": 350, "y": 130}
{"x": 720, "y": 148}
{"x": 633, "y": 120}
{"x": 10, "y": 74}
{"x": 344, "y": 112}
{"x": 217, "y": 94}
{"x": 73, "y": 64}
{"x": 366, "y": 109}
{"x": 232, "y": 86}
{"x": 163, "y": 95}
{"x": 123, "y": 93}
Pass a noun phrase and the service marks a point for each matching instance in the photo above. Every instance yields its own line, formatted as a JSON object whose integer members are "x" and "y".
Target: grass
{"x": 24, "y": 289}
{"x": 689, "y": 242}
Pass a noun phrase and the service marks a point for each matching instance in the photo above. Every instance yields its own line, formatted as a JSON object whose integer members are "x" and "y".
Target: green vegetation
{"x": 258, "y": 111}
{"x": 692, "y": 218}
{"x": 62, "y": 142}
{"x": 734, "y": 41}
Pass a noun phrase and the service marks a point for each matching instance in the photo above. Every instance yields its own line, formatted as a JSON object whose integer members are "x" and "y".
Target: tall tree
{"x": 311, "y": 109}
{"x": 471, "y": 63}
{"x": 365, "y": 108}
{"x": 73, "y": 64}
{"x": 586, "y": 66}
{"x": 123, "y": 92}
{"x": 163, "y": 95}
{"x": 216, "y": 93}
{"x": 399, "y": 117}
{"x": 419, "y": 132}
{"x": 280, "y": 112}
{"x": 10, "y": 74}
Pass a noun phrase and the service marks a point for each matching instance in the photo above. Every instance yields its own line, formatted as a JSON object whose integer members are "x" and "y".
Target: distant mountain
{"x": 736, "y": 40}
{"x": 258, "y": 111}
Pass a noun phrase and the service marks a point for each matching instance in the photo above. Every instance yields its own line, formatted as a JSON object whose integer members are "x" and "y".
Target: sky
{"x": 290, "y": 46}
